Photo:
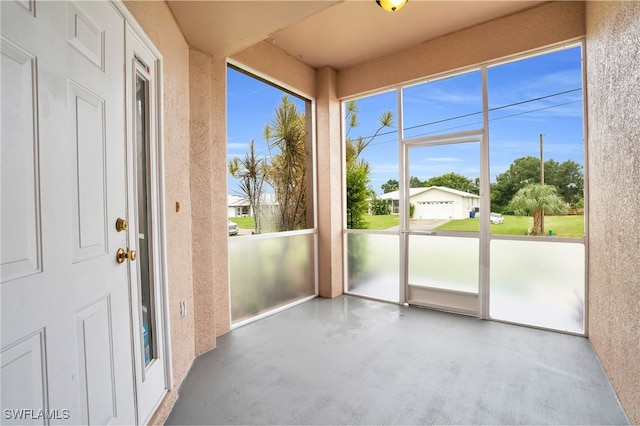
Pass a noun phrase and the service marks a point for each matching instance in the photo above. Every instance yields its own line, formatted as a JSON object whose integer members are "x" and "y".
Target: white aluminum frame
{"x": 484, "y": 294}
{"x": 242, "y": 67}
{"x": 470, "y": 136}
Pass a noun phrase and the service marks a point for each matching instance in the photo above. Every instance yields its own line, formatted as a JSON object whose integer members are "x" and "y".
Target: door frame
{"x": 157, "y": 183}
{"x": 483, "y": 258}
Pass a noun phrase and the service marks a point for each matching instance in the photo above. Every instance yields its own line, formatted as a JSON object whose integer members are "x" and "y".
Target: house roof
{"x": 237, "y": 201}
{"x": 395, "y": 195}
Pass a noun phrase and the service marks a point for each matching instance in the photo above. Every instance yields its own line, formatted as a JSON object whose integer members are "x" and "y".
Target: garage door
{"x": 434, "y": 210}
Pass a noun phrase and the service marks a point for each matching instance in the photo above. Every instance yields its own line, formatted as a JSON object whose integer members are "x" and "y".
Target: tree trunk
{"x": 538, "y": 223}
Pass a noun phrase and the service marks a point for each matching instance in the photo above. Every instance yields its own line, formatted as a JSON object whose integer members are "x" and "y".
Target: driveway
{"x": 426, "y": 224}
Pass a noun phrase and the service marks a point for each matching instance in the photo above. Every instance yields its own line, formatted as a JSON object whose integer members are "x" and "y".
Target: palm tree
{"x": 358, "y": 169}
{"x": 287, "y": 173}
{"x": 536, "y": 200}
{"x": 355, "y": 146}
{"x": 251, "y": 173}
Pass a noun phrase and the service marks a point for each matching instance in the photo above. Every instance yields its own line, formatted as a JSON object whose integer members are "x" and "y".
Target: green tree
{"x": 538, "y": 200}
{"x": 287, "y": 134}
{"x": 522, "y": 172}
{"x": 380, "y": 206}
{"x": 567, "y": 177}
{"x": 455, "y": 181}
{"x": 414, "y": 182}
{"x": 357, "y": 194}
{"x": 358, "y": 170}
{"x": 390, "y": 186}
{"x": 251, "y": 173}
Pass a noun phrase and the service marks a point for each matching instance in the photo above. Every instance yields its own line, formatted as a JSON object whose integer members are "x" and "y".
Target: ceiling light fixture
{"x": 391, "y": 5}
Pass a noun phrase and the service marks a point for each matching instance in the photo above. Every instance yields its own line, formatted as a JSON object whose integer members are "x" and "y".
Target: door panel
{"x": 446, "y": 300}
{"x": 65, "y": 300}
{"x": 443, "y": 241}
{"x": 24, "y": 362}
{"x": 444, "y": 262}
{"x": 21, "y": 236}
{"x": 95, "y": 355}
{"x": 85, "y": 35}
{"x": 89, "y": 195}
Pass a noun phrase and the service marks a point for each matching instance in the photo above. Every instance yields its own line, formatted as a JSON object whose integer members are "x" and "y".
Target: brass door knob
{"x": 122, "y": 255}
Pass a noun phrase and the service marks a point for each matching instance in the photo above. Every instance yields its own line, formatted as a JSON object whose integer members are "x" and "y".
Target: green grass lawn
{"x": 382, "y": 221}
{"x": 562, "y": 226}
{"x": 243, "y": 222}
{"x": 375, "y": 222}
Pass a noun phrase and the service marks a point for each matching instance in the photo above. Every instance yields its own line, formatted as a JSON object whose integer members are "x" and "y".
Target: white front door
{"x": 66, "y": 319}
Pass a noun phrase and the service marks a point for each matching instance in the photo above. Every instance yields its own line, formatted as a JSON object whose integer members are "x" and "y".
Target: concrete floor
{"x": 355, "y": 361}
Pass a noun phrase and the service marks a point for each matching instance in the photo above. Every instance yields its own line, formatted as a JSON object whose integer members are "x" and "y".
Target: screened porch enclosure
{"x": 452, "y": 154}
{"x": 467, "y": 145}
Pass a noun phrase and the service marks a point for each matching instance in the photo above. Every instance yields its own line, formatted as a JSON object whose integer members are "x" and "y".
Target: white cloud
{"x": 231, "y": 146}
{"x": 445, "y": 159}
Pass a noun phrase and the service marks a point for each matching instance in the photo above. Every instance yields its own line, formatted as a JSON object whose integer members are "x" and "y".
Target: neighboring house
{"x": 436, "y": 202}
{"x": 239, "y": 206}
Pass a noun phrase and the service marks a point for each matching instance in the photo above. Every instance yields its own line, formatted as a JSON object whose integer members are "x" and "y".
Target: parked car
{"x": 233, "y": 228}
{"x": 496, "y": 218}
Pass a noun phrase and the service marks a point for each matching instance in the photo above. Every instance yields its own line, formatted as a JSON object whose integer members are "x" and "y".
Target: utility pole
{"x": 541, "y": 178}
{"x": 541, "y": 163}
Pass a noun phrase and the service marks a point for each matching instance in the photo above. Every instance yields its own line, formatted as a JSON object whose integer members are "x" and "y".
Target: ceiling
{"x": 336, "y": 33}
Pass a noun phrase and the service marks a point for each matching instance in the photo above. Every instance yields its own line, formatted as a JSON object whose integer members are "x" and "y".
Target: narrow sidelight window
{"x": 147, "y": 308}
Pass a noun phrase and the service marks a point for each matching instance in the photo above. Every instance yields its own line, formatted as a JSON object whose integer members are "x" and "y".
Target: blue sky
{"x": 529, "y": 97}
{"x": 250, "y": 107}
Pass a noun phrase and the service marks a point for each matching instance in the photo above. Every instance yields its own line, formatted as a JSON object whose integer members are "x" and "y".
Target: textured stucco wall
{"x": 277, "y": 64}
{"x": 330, "y": 206}
{"x": 220, "y": 252}
{"x": 157, "y": 21}
{"x": 613, "y": 90}
{"x": 201, "y": 200}
{"x": 534, "y": 28}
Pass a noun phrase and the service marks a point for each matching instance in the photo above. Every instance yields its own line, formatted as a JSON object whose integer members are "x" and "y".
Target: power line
{"x": 536, "y": 99}
{"x": 497, "y": 118}
{"x": 480, "y": 112}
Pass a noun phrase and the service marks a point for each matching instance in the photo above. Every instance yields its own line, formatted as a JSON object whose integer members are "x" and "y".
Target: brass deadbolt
{"x": 122, "y": 224}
